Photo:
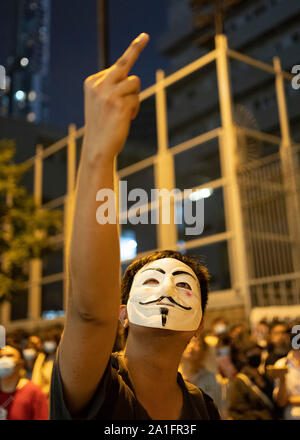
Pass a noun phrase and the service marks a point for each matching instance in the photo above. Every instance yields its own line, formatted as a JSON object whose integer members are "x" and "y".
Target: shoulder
{"x": 30, "y": 388}
{"x": 204, "y": 399}
{"x": 211, "y": 407}
{"x": 238, "y": 383}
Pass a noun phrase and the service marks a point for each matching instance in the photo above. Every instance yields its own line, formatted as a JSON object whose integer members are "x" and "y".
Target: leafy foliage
{"x": 25, "y": 228}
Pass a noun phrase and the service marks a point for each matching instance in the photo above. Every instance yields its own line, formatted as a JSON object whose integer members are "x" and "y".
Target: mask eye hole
{"x": 151, "y": 282}
{"x": 184, "y": 285}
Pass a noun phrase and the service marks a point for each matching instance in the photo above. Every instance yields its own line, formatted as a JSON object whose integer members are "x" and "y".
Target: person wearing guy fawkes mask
{"x": 42, "y": 369}
{"x": 164, "y": 294}
{"x": 250, "y": 395}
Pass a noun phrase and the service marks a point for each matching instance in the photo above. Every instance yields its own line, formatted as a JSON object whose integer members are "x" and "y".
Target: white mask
{"x": 181, "y": 311}
{"x": 7, "y": 366}
{"x": 49, "y": 346}
{"x": 220, "y": 329}
{"x": 29, "y": 354}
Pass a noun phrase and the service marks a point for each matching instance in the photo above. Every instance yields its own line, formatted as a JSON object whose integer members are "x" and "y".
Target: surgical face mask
{"x": 223, "y": 351}
{"x": 49, "y": 346}
{"x": 29, "y": 354}
{"x": 7, "y": 366}
{"x": 164, "y": 297}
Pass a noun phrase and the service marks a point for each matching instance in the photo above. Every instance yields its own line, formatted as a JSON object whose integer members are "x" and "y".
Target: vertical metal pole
{"x": 5, "y": 312}
{"x": 35, "y": 267}
{"x": 102, "y": 28}
{"x": 290, "y": 167}
{"x": 71, "y": 158}
{"x": 69, "y": 203}
{"x": 228, "y": 156}
{"x": 164, "y": 171}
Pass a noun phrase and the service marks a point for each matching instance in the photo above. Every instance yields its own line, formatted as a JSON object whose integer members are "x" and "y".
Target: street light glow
{"x": 24, "y": 62}
{"x": 202, "y": 193}
{"x": 20, "y": 95}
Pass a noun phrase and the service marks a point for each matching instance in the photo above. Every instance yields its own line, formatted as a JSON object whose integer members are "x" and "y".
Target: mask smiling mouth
{"x": 158, "y": 302}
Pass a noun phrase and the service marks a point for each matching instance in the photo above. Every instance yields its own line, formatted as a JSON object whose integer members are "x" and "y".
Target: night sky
{"x": 74, "y": 47}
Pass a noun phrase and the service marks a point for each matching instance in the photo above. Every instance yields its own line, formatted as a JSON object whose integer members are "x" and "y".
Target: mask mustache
{"x": 169, "y": 298}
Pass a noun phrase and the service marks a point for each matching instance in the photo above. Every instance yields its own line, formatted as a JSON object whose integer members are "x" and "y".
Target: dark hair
{"x": 239, "y": 348}
{"x": 52, "y": 333}
{"x": 194, "y": 263}
{"x": 219, "y": 319}
{"x": 264, "y": 322}
{"x": 16, "y": 345}
{"x": 246, "y": 343}
{"x": 276, "y": 323}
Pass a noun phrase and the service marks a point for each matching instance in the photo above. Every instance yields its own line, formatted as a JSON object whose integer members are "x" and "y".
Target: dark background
{"x": 73, "y": 47}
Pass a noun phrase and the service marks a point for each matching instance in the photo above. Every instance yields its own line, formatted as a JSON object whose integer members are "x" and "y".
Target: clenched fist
{"x": 111, "y": 102}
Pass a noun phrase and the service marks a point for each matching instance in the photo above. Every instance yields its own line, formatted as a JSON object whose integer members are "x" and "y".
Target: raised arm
{"x": 111, "y": 102}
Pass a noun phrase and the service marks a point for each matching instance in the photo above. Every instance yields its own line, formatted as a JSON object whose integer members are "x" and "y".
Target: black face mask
{"x": 254, "y": 360}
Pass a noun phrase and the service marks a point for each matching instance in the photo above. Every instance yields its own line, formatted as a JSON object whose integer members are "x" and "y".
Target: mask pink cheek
{"x": 188, "y": 293}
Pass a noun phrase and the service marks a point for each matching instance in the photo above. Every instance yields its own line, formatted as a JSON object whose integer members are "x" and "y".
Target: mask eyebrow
{"x": 180, "y": 272}
{"x": 155, "y": 268}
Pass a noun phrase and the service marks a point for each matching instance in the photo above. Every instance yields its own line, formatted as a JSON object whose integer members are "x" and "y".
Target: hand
{"x": 276, "y": 372}
{"x": 111, "y": 102}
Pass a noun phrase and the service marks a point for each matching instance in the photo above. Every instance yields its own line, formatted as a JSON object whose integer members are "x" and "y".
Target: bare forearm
{"x": 281, "y": 394}
{"x": 111, "y": 102}
{"x": 94, "y": 252}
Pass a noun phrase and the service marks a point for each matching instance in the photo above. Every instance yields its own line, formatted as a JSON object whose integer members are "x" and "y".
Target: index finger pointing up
{"x": 129, "y": 57}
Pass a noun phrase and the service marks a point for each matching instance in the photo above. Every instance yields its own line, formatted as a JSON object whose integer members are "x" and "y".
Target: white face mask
{"x": 29, "y": 354}
{"x": 220, "y": 329}
{"x": 148, "y": 304}
{"x": 49, "y": 346}
{"x": 7, "y": 366}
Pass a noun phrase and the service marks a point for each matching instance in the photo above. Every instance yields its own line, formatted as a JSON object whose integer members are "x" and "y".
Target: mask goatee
{"x": 164, "y": 313}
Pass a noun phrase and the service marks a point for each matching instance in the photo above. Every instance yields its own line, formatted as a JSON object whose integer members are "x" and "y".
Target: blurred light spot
{"x": 31, "y": 95}
{"x": 128, "y": 245}
{"x": 24, "y": 62}
{"x": 203, "y": 193}
{"x": 31, "y": 117}
{"x": 20, "y": 95}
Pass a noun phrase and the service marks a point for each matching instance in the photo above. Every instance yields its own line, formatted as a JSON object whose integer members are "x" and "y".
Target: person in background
{"x": 287, "y": 390}
{"x": 250, "y": 395}
{"x": 20, "y": 398}
{"x": 235, "y": 330}
{"x": 223, "y": 351}
{"x": 42, "y": 369}
{"x": 260, "y": 333}
{"x": 30, "y": 353}
{"x": 193, "y": 369}
{"x": 19, "y": 336}
{"x": 220, "y": 326}
{"x": 279, "y": 342}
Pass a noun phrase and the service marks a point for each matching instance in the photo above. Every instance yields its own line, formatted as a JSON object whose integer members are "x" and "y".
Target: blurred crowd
{"x": 251, "y": 372}
{"x": 25, "y": 373}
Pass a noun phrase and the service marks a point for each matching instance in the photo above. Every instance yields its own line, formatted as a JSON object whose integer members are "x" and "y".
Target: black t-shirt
{"x": 114, "y": 398}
